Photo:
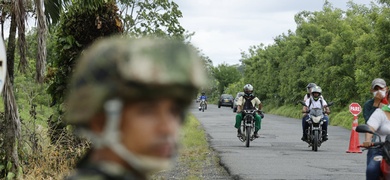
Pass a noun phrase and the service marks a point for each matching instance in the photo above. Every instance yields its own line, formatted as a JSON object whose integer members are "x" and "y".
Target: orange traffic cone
{"x": 354, "y": 141}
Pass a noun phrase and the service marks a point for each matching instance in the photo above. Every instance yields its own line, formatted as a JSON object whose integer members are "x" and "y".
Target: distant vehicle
{"x": 225, "y": 100}
{"x": 197, "y": 99}
{"x": 239, "y": 94}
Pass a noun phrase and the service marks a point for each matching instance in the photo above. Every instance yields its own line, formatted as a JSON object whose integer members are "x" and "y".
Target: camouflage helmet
{"x": 132, "y": 69}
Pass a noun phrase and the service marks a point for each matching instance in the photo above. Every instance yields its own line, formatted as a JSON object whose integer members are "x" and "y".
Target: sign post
{"x": 355, "y": 109}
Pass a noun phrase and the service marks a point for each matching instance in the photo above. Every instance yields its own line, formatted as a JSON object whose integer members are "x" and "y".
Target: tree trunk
{"x": 11, "y": 49}
{"x": 41, "y": 57}
{"x": 12, "y": 121}
{"x": 20, "y": 13}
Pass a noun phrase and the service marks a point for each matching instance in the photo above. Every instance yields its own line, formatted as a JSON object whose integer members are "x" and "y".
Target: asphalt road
{"x": 279, "y": 153}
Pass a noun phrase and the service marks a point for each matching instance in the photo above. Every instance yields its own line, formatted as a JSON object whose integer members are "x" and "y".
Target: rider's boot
{"x": 205, "y": 106}
{"x": 325, "y": 136}
{"x": 304, "y": 137}
{"x": 256, "y": 134}
{"x": 239, "y": 133}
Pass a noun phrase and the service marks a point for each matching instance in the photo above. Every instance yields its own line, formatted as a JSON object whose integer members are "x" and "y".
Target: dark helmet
{"x": 248, "y": 89}
{"x": 203, "y": 93}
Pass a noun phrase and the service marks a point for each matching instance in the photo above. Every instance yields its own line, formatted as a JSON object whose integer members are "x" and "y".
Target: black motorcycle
{"x": 314, "y": 131}
{"x": 248, "y": 126}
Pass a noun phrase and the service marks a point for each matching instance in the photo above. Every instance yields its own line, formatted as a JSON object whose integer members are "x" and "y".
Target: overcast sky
{"x": 225, "y": 28}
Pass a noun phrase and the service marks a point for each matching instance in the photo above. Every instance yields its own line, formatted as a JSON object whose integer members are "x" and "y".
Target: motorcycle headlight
{"x": 316, "y": 119}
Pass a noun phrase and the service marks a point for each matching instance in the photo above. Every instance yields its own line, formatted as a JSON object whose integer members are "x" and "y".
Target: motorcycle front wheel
{"x": 315, "y": 141}
{"x": 248, "y": 135}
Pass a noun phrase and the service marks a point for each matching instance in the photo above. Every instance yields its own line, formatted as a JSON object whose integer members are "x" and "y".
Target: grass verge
{"x": 196, "y": 159}
{"x": 195, "y": 149}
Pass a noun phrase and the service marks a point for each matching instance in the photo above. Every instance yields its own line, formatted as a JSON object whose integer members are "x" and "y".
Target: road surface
{"x": 279, "y": 153}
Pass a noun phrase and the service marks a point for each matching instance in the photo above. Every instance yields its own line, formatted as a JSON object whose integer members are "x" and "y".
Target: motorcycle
{"x": 202, "y": 105}
{"x": 314, "y": 131}
{"x": 248, "y": 126}
{"x": 385, "y": 146}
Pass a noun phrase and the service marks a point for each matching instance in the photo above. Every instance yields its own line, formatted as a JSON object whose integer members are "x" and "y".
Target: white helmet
{"x": 316, "y": 89}
{"x": 248, "y": 89}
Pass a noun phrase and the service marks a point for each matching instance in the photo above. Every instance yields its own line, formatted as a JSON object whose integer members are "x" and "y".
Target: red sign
{"x": 355, "y": 109}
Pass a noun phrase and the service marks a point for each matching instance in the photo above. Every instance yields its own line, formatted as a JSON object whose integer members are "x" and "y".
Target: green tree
{"x": 143, "y": 17}
{"x": 225, "y": 75}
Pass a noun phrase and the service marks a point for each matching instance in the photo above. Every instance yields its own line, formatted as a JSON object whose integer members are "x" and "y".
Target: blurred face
{"x": 248, "y": 92}
{"x": 379, "y": 89}
{"x": 151, "y": 128}
{"x": 316, "y": 94}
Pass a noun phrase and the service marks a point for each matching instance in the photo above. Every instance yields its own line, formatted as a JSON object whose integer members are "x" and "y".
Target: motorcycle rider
{"x": 129, "y": 97}
{"x": 315, "y": 101}
{"x": 378, "y": 89}
{"x": 379, "y": 123}
{"x": 370, "y": 107}
{"x": 246, "y": 102}
{"x": 309, "y": 88}
{"x": 203, "y": 96}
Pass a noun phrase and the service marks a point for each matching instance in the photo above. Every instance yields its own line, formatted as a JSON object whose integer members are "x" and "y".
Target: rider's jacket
{"x": 248, "y": 102}
{"x": 203, "y": 97}
{"x": 311, "y": 103}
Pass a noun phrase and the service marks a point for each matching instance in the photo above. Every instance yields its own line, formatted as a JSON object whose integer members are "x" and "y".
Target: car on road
{"x": 225, "y": 100}
{"x": 239, "y": 94}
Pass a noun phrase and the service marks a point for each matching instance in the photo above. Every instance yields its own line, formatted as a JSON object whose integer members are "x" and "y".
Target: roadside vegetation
{"x": 196, "y": 159}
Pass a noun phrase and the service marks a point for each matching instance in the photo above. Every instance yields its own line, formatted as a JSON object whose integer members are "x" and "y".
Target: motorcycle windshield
{"x": 316, "y": 112}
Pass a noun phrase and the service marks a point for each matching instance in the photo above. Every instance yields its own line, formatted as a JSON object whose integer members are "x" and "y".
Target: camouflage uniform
{"x": 130, "y": 70}
{"x": 103, "y": 171}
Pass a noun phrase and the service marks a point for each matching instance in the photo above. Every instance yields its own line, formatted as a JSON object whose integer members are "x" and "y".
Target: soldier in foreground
{"x": 129, "y": 97}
